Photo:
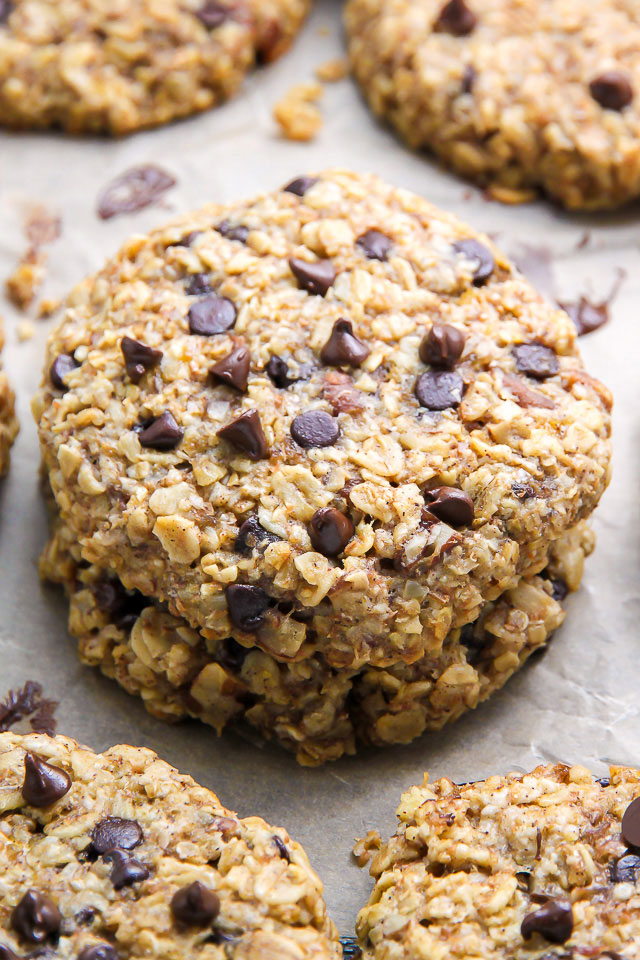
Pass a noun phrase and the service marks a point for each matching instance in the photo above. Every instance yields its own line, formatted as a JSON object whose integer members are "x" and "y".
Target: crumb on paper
{"x": 41, "y": 227}
{"x": 510, "y": 195}
{"x": 332, "y": 70}
{"x": 48, "y": 306}
{"x": 23, "y": 284}
{"x": 297, "y": 114}
{"x": 28, "y": 702}
{"x": 25, "y": 330}
{"x": 365, "y": 847}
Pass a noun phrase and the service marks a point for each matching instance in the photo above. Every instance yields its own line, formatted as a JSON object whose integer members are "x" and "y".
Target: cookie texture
{"x": 89, "y": 66}
{"x": 513, "y": 94}
{"x": 540, "y": 865}
{"x": 329, "y": 429}
{"x": 8, "y": 421}
{"x": 117, "y": 855}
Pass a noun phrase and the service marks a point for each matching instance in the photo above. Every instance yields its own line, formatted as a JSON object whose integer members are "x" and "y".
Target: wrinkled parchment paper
{"x": 579, "y": 702}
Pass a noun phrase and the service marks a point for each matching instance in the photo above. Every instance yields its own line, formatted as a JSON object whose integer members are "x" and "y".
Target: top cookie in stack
{"x": 309, "y": 455}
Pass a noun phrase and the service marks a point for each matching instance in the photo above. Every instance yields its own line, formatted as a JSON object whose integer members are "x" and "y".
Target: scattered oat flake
{"x": 28, "y": 703}
{"x": 297, "y": 114}
{"x": 509, "y": 195}
{"x": 331, "y": 70}
{"x": 133, "y": 190}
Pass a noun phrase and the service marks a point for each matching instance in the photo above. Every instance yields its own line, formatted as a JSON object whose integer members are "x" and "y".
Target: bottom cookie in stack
{"x": 8, "y": 421}
{"x": 541, "y": 866}
{"x": 315, "y": 710}
{"x": 117, "y": 855}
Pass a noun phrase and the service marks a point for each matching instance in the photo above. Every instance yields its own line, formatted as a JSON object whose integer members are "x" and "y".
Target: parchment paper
{"x": 578, "y": 702}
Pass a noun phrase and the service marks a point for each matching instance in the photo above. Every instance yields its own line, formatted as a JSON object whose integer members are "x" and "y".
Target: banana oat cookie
{"x": 514, "y": 94}
{"x": 8, "y": 421}
{"x": 330, "y": 428}
{"x": 91, "y": 66}
{"x": 117, "y": 855}
{"x": 540, "y": 866}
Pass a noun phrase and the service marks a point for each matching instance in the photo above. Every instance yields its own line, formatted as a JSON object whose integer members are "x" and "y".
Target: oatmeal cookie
{"x": 8, "y": 421}
{"x": 514, "y": 94}
{"x": 329, "y": 422}
{"x": 117, "y": 855}
{"x": 527, "y": 866}
{"x": 89, "y": 66}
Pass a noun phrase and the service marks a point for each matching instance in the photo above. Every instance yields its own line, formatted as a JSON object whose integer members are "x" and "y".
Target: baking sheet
{"x": 578, "y": 702}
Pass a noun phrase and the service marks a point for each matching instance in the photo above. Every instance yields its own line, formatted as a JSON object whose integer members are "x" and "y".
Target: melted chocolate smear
{"x": 536, "y": 263}
{"x": 28, "y": 703}
{"x": 589, "y": 316}
{"x": 133, "y": 190}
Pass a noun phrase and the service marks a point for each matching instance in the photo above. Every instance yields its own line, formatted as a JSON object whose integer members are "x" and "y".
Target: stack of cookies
{"x": 321, "y": 461}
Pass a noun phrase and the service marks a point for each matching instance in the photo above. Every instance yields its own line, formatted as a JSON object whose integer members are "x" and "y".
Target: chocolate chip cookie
{"x": 540, "y": 865}
{"x": 87, "y": 66}
{"x": 117, "y": 855}
{"x": 8, "y": 421}
{"x": 323, "y": 460}
{"x": 513, "y": 94}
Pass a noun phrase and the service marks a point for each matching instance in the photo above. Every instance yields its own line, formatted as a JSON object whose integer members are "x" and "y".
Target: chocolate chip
{"x": 231, "y": 655}
{"x": 612, "y": 90}
{"x": 282, "y": 849}
{"x": 252, "y": 535}
{"x": 247, "y": 606}
{"x": 553, "y": 921}
{"x": 300, "y": 185}
{"x": 603, "y": 781}
{"x": 316, "y": 277}
{"x": 5, "y": 952}
{"x": 233, "y": 232}
{"x": 631, "y": 824}
{"x": 468, "y": 79}
{"x": 625, "y": 870}
{"x": 197, "y": 284}
{"x": 43, "y": 783}
{"x": 442, "y": 346}
{"x": 341, "y": 393}
{"x": 439, "y": 389}
{"x": 163, "y": 433}
{"x": 535, "y": 360}
{"x": 133, "y": 190}
{"x": 138, "y": 358}
{"x": 195, "y": 905}
{"x": 212, "y": 315}
{"x": 315, "y": 428}
{"x": 350, "y": 948}
{"x": 374, "y": 244}
{"x": 125, "y": 869}
{"x": 115, "y": 832}
{"x": 480, "y": 256}
{"x": 212, "y": 14}
{"x": 246, "y": 434}
{"x": 36, "y": 917}
{"x": 330, "y": 531}
{"x": 122, "y": 606}
{"x": 233, "y": 370}
{"x": 98, "y": 951}
{"x": 5, "y": 10}
{"x": 456, "y": 18}
{"x": 279, "y": 373}
{"x": 63, "y": 364}
{"x": 343, "y": 347}
{"x": 559, "y": 589}
{"x": 450, "y": 505}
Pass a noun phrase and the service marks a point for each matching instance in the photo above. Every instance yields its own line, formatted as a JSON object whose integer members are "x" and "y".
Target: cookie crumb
{"x": 510, "y": 195}
{"x": 47, "y": 307}
{"x": 23, "y": 284}
{"x": 28, "y": 702}
{"x": 365, "y": 847}
{"x": 25, "y": 330}
{"x": 297, "y": 114}
{"x": 331, "y": 70}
